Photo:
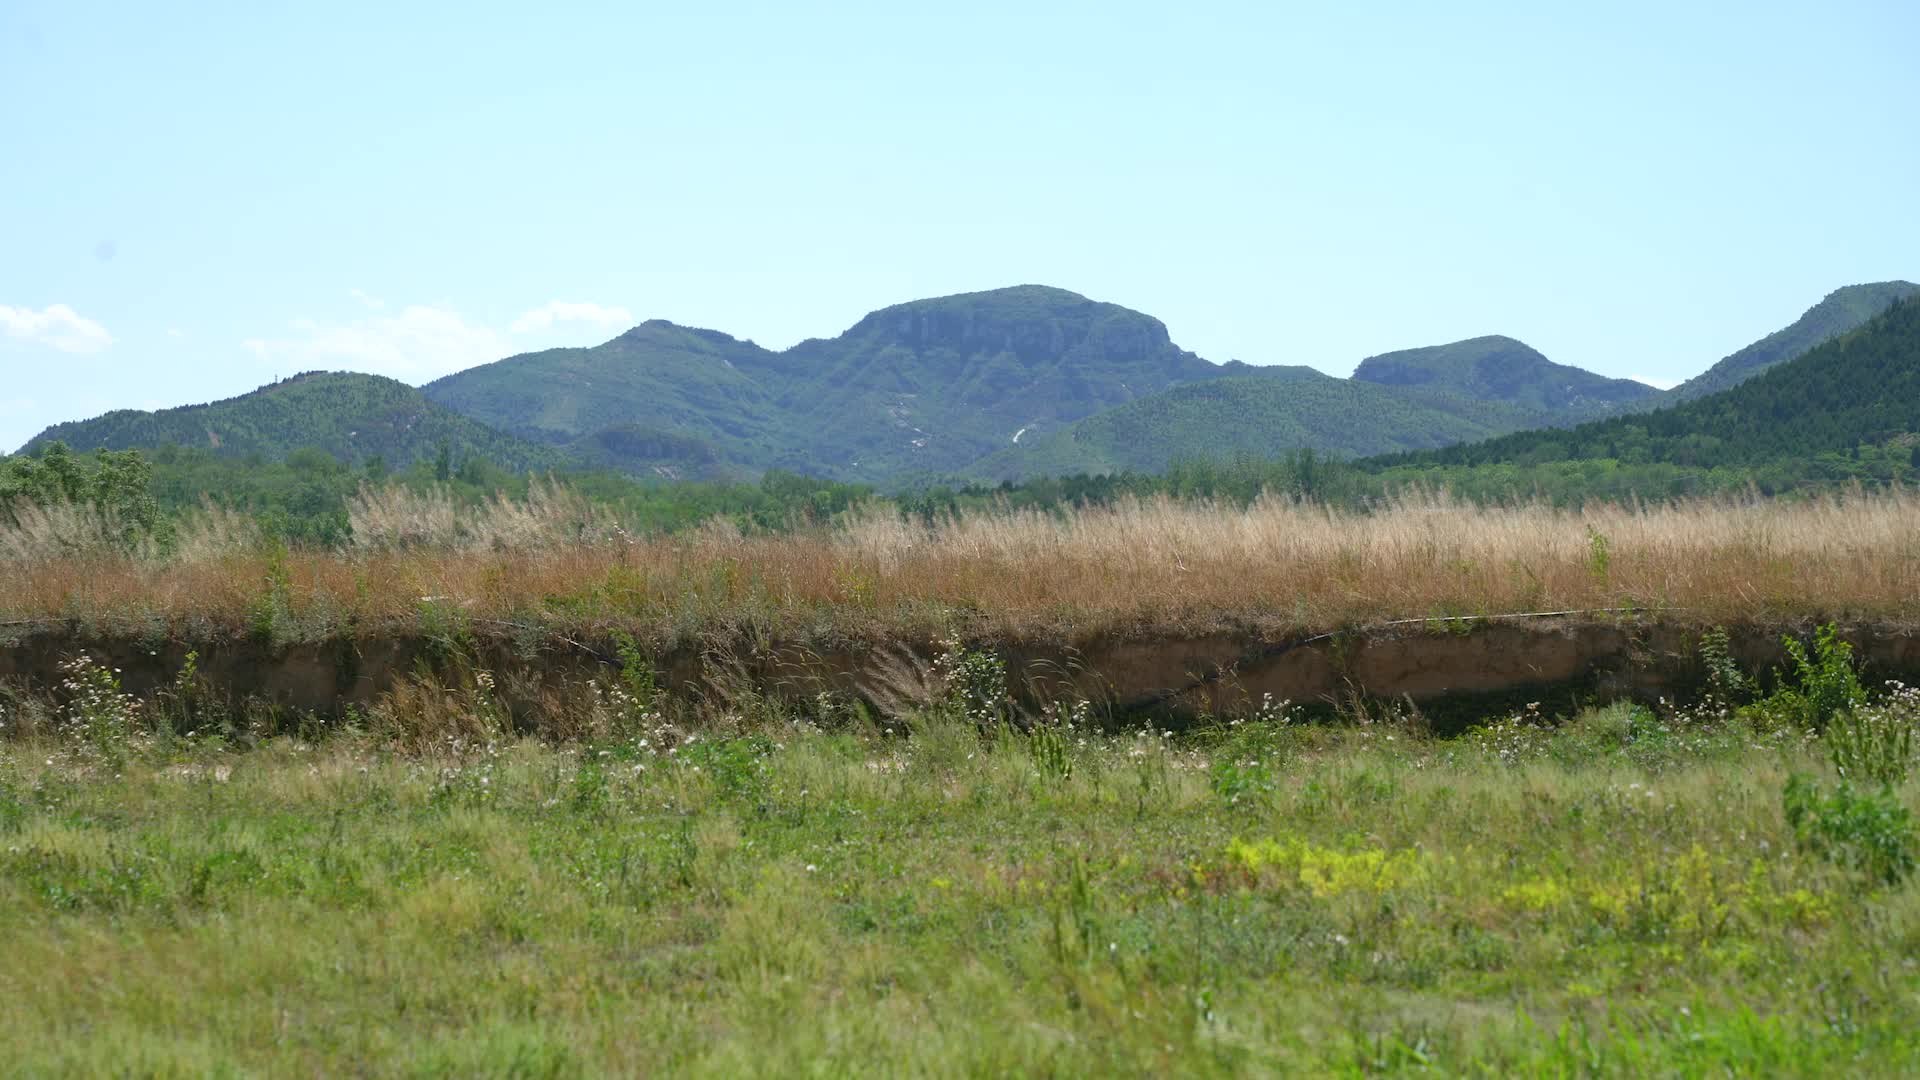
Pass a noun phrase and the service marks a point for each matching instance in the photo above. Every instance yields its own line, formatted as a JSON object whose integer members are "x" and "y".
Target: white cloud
{"x": 175, "y": 332}
{"x": 56, "y": 327}
{"x": 371, "y": 303}
{"x": 418, "y": 343}
{"x": 1657, "y": 384}
{"x": 561, "y": 311}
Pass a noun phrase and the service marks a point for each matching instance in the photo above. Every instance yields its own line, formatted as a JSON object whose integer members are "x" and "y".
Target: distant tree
{"x": 118, "y": 481}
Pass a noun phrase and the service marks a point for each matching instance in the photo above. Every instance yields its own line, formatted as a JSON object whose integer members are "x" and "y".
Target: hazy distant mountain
{"x": 1007, "y": 383}
{"x": 1508, "y": 371}
{"x": 1843, "y": 310}
{"x": 657, "y": 396}
{"x": 351, "y": 416}
{"x": 927, "y": 386}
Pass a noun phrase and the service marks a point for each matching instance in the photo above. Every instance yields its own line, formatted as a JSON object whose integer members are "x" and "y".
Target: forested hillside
{"x": 1855, "y": 396}
{"x": 1260, "y": 415}
{"x": 1500, "y": 369}
{"x": 1841, "y": 311}
{"x": 927, "y": 386}
{"x": 657, "y": 396}
{"x": 351, "y": 417}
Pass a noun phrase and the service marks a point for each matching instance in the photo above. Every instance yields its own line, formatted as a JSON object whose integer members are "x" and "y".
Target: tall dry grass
{"x": 1139, "y": 565}
{"x": 395, "y": 518}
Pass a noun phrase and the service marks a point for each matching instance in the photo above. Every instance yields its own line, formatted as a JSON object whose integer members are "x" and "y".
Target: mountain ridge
{"x": 1005, "y": 382}
{"x": 351, "y": 415}
{"x": 1861, "y": 388}
{"x": 1840, "y": 311}
{"x": 1494, "y": 367}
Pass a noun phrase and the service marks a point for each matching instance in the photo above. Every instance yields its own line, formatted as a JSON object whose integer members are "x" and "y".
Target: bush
{"x": 1824, "y": 685}
{"x": 1827, "y": 682}
{"x": 1874, "y": 743}
{"x": 1726, "y": 683}
{"x": 98, "y": 715}
{"x": 976, "y": 685}
{"x": 1873, "y": 834}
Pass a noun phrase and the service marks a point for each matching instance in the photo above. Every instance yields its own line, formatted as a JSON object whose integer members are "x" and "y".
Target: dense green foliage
{"x": 1841, "y": 311}
{"x": 120, "y": 483}
{"x": 1500, "y": 369}
{"x": 355, "y": 418}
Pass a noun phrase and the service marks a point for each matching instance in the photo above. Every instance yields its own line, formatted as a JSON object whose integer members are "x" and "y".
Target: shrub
{"x": 976, "y": 684}
{"x": 1725, "y": 681}
{"x": 1872, "y": 834}
{"x": 1599, "y": 554}
{"x": 1824, "y": 685}
{"x": 1231, "y": 778}
{"x": 1874, "y": 743}
{"x": 1826, "y": 680}
{"x": 97, "y": 713}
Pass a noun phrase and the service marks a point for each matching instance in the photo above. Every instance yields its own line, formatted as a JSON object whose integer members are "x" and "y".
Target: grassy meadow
{"x": 1622, "y": 891}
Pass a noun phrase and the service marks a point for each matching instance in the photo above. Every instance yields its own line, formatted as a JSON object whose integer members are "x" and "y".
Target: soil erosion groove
{"x": 1433, "y": 663}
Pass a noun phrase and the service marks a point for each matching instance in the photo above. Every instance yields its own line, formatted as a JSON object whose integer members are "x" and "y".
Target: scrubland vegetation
{"x": 743, "y": 888}
{"x": 721, "y": 881}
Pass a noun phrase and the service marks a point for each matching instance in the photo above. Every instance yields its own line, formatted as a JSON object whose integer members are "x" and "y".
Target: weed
{"x": 1826, "y": 684}
{"x": 1873, "y": 744}
{"x": 98, "y": 715}
{"x": 270, "y": 612}
{"x": 736, "y": 767}
{"x": 1725, "y": 681}
{"x": 1050, "y": 751}
{"x": 976, "y": 684}
{"x": 636, "y": 701}
{"x": 1599, "y": 555}
{"x": 1871, "y": 833}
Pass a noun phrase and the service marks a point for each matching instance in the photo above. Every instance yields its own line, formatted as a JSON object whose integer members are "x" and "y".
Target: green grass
{"x": 1620, "y": 894}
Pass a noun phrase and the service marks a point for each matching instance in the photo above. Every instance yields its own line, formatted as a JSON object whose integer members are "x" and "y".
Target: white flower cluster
{"x": 97, "y": 713}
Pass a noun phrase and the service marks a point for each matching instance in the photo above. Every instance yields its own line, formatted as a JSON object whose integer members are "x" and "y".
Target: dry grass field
{"x": 1138, "y": 567}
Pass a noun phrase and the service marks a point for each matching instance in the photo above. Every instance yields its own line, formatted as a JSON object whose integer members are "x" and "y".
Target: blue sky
{"x": 196, "y": 198}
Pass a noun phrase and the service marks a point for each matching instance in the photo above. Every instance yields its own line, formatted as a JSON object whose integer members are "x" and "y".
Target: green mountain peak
{"x": 1500, "y": 369}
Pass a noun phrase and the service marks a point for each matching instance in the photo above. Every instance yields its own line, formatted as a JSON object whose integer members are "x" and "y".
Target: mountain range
{"x": 999, "y": 385}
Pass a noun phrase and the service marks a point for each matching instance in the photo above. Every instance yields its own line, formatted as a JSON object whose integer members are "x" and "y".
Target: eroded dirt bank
{"x": 1437, "y": 665}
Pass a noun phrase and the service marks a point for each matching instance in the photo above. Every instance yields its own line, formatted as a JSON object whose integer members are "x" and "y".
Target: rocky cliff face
{"x": 1035, "y": 325}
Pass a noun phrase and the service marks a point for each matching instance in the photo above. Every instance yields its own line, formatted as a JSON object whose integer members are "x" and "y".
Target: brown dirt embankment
{"x": 1437, "y": 664}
